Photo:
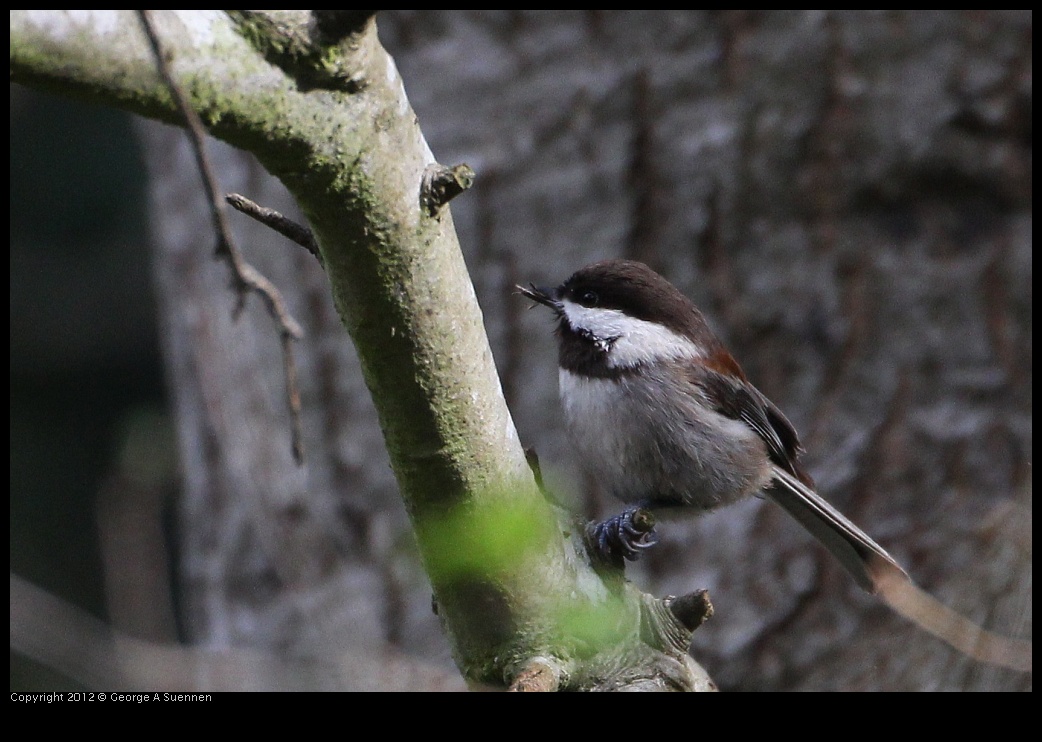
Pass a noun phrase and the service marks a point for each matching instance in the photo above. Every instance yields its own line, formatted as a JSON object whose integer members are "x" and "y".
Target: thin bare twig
{"x": 282, "y": 224}
{"x": 245, "y": 278}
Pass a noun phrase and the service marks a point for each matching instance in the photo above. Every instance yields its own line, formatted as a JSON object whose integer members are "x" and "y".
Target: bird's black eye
{"x": 589, "y": 298}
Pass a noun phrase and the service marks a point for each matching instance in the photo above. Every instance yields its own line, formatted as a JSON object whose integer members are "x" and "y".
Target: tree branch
{"x": 510, "y": 574}
{"x": 275, "y": 220}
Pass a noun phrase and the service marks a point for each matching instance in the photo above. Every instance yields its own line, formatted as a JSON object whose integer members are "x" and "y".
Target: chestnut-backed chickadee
{"x": 663, "y": 417}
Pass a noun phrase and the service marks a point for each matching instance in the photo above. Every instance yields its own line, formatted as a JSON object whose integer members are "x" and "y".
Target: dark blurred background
{"x": 84, "y": 355}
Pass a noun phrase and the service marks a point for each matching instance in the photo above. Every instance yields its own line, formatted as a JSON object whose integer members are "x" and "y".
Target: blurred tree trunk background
{"x": 846, "y": 194}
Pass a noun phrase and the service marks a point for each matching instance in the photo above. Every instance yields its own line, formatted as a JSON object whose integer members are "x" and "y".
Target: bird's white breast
{"x": 645, "y": 439}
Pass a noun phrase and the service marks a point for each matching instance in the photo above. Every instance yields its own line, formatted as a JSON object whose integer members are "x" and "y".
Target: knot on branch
{"x": 692, "y": 610}
{"x": 327, "y": 50}
{"x": 538, "y": 675}
{"x": 441, "y": 184}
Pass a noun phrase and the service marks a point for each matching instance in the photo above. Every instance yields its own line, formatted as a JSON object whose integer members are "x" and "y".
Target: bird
{"x": 663, "y": 417}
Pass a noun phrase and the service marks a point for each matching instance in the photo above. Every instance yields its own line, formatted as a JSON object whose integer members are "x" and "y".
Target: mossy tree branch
{"x": 327, "y": 114}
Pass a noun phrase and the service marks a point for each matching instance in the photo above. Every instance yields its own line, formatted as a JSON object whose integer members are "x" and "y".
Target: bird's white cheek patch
{"x": 629, "y": 341}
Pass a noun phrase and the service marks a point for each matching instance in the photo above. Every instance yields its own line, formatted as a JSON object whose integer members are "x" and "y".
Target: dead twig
{"x": 245, "y": 278}
{"x": 282, "y": 224}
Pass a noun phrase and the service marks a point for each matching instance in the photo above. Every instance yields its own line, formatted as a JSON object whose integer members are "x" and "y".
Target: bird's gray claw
{"x": 624, "y": 536}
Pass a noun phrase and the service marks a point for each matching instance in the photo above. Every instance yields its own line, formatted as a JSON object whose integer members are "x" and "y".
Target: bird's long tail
{"x": 877, "y": 572}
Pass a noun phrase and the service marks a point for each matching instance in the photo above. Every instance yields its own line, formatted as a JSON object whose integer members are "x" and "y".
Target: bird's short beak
{"x": 542, "y": 295}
